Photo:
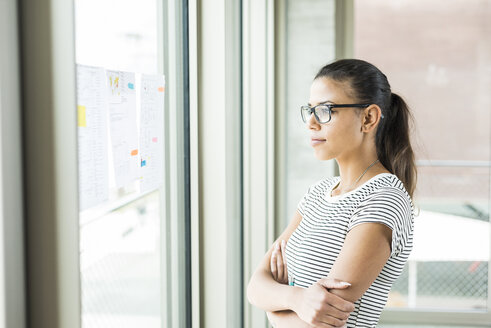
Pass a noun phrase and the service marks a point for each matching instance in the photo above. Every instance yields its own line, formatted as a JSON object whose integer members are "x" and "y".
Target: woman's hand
{"x": 320, "y": 308}
{"x": 316, "y": 306}
{"x": 278, "y": 263}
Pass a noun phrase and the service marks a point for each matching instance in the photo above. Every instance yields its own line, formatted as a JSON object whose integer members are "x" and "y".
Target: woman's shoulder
{"x": 390, "y": 189}
{"x": 391, "y": 183}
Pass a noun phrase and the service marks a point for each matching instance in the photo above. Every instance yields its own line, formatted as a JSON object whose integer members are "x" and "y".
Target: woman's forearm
{"x": 269, "y": 295}
{"x": 286, "y": 319}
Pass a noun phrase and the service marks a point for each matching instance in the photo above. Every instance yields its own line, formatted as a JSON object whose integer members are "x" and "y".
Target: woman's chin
{"x": 322, "y": 156}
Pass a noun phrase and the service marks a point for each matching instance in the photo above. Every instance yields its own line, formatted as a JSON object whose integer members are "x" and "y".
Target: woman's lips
{"x": 315, "y": 142}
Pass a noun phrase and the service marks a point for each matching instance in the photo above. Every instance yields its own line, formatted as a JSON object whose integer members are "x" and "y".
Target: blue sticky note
{"x": 144, "y": 163}
{"x": 131, "y": 86}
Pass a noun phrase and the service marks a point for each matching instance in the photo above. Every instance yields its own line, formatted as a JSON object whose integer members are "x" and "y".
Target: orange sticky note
{"x": 134, "y": 152}
{"x": 161, "y": 89}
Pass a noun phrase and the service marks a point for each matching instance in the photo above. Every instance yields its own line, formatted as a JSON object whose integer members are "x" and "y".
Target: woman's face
{"x": 342, "y": 135}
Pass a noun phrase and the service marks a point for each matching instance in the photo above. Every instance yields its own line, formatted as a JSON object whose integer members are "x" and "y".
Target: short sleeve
{"x": 389, "y": 206}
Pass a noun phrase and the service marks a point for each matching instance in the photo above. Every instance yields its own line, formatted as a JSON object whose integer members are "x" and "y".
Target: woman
{"x": 351, "y": 236}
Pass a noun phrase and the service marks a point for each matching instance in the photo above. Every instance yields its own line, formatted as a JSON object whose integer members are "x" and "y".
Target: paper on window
{"x": 123, "y": 126}
{"x": 151, "y": 131}
{"x": 92, "y": 136}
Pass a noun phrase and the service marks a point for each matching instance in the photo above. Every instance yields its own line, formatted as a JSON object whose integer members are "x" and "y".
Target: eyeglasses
{"x": 322, "y": 112}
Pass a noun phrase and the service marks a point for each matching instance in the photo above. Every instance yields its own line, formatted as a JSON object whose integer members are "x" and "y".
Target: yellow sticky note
{"x": 82, "y": 118}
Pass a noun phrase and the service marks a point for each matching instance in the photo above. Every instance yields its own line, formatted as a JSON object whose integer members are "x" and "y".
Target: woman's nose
{"x": 312, "y": 123}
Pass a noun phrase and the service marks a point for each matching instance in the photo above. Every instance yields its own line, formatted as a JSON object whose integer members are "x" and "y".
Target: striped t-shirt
{"x": 315, "y": 244}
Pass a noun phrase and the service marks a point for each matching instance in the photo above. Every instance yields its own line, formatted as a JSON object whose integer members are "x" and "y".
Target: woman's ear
{"x": 370, "y": 117}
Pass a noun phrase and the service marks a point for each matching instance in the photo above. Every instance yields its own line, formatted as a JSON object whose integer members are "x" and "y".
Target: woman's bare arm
{"x": 364, "y": 254}
{"x": 290, "y": 319}
{"x": 365, "y": 251}
{"x": 286, "y": 319}
{"x": 315, "y": 305}
{"x": 265, "y": 292}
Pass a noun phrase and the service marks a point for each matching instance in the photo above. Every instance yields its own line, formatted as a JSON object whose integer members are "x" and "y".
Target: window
{"x": 131, "y": 195}
{"x": 120, "y": 230}
{"x": 437, "y": 55}
{"x": 310, "y": 33}
{"x": 440, "y": 64}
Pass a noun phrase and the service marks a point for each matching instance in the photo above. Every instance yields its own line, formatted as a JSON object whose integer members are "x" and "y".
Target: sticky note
{"x": 144, "y": 163}
{"x": 134, "y": 152}
{"x": 82, "y": 116}
{"x": 131, "y": 85}
{"x": 154, "y": 139}
{"x": 161, "y": 89}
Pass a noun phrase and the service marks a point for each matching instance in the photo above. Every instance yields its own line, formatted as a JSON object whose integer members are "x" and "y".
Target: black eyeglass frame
{"x": 330, "y": 107}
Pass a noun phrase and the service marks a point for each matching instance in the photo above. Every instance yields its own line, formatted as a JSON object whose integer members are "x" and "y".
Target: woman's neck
{"x": 350, "y": 173}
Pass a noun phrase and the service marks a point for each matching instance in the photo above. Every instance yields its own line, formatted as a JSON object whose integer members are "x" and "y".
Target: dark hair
{"x": 367, "y": 84}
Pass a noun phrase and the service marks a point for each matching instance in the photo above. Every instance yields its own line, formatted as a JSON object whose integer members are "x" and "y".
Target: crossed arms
{"x": 327, "y": 303}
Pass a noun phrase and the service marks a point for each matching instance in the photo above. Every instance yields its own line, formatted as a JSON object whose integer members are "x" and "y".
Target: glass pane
{"x": 441, "y": 65}
{"x": 120, "y": 267}
{"x": 118, "y": 36}
{"x": 120, "y": 236}
{"x": 310, "y": 45}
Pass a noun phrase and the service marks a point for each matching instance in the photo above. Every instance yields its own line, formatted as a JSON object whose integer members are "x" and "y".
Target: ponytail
{"x": 393, "y": 143}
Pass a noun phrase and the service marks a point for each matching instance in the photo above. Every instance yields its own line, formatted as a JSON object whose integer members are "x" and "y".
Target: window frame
{"x": 176, "y": 220}
{"x": 12, "y": 269}
{"x": 51, "y": 170}
{"x": 259, "y": 133}
{"x": 217, "y": 161}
